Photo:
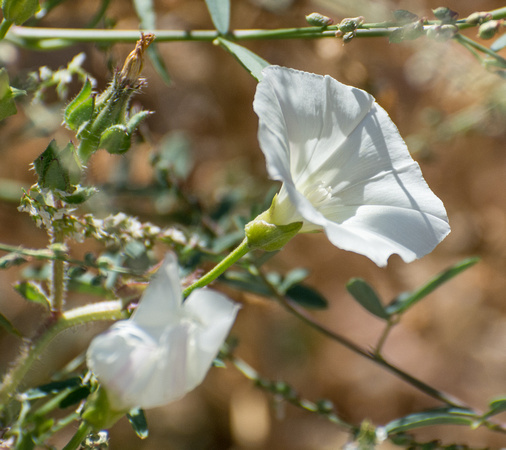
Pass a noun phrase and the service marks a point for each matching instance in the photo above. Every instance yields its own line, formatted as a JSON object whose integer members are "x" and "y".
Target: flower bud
{"x": 442, "y": 33}
{"x": 477, "y": 18}
{"x": 445, "y": 15}
{"x": 319, "y": 20}
{"x": 350, "y": 24}
{"x": 19, "y": 11}
{"x": 489, "y": 29}
{"x": 347, "y": 37}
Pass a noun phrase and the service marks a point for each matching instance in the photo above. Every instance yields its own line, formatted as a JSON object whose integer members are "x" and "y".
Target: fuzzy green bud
{"x": 264, "y": 235}
{"x": 319, "y": 20}
{"x": 19, "y": 11}
{"x": 445, "y": 15}
{"x": 442, "y": 33}
{"x": 350, "y": 24}
{"x": 489, "y": 29}
{"x": 478, "y": 18}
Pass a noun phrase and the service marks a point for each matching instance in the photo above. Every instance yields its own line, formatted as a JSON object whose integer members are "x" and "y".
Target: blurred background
{"x": 451, "y": 112}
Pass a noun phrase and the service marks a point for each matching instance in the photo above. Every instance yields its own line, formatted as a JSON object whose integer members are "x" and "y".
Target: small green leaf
{"x": 7, "y": 104}
{"x": 80, "y": 195}
{"x": 246, "y": 282}
{"x": 58, "y": 169}
{"x": 499, "y": 43}
{"x": 5, "y": 323}
{"x": 80, "y": 109}
{"x": 293, "y": 277}
{"x": 139, "y": 423}
{"x": 12, "y": 259}
{"x": 19, "y": 11}
{"x": 54, "y": 387}
{"x": 220, "y": 14}
{"x": 406, "y": 300}
{"x": 364, "y": 294}
{"x": 497, "y": 406}
{"x": 249, "y": 60}
{"x": 307, "y": 297}
{"x": 33, "y": 293}
{"x": 442, "y": 416}
{"x": 74, "y": 397}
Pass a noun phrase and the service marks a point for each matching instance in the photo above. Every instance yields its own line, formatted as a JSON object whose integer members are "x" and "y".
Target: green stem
{"x": 51, "y": 255}
{"x": 466, "y": 41}
{"x": 57, "y": 277}
{"x": 4, "y": 27}
{"x": 302, "y": 315}
{"x": 81, "y": 433}
{"x": 67, "y": 36}
{"x": 214, "y": 273}
{"x": 112, "y": 310}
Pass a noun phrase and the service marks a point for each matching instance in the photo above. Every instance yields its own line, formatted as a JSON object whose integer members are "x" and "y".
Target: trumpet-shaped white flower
{"x": 345, "y": 169}
{"x": 166, "y": 348}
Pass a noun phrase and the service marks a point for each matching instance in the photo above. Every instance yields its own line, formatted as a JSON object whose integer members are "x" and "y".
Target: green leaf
{"x": 80, "y": 195}
{"x": 5, "y": 323}
{"x": 307, "y": 297}
{"x": 293, "y": 277}
{"x": 499, "y": 43}
{"x": 246, "y": 282}
{"x": 364, "y": 294}
{"x": 75, "y": 397}
{"x": 220, "y": 14}
{"x": 19, "y": 11}
{"x": 139, "y": 423}
{"x": 33, "y": 293}
{"x": 54, "y": 387}
{"x": 441, "y": 416}
{"x": 58, "y": 169}
{"x": 7, "y": 104}
{"x": 80, "y": 109}
{"x": 407, "y": 299}
{"x": 249, "y": 60}
{"x": 496, "y": 406}
{"x": 12, "y": 259}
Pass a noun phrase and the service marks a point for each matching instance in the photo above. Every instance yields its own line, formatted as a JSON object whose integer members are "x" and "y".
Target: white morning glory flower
{"x": 345, "y": 169}
{"x": 166, "y": 348}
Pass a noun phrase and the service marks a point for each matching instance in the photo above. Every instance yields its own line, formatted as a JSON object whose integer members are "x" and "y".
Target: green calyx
{"x": 261, "y": 234}
{"x": 98, "y": 412}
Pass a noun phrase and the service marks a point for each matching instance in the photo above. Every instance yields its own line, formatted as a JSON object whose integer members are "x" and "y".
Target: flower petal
{"x": 213, "y": 315}
{"x": 345, "y": 168}
{"x": 137, "y": 370}
{"x": 161, "y": 302}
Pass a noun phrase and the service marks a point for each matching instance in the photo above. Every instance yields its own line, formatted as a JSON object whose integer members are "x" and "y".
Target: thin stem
{"x": 250, "y": 373}
{"x": 466, "y": 41}
{"x": 104, "y": 311}
{"x": 383, "y": 337}
{"x": 377, "y": 359}
{"x": 4, "y": 27}
{"x": 51, "y": 255}
{"x": 81, "y": 433}
{"x": 57, "y": 277}
{"x": 214, "y": 273}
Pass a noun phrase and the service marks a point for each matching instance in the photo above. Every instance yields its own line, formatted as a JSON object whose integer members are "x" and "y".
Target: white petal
{"x": 137, "y": 370}
{"x": 161, "y": 302}
{"x": 213, "y": 315}
{"x": 344, "y": 167}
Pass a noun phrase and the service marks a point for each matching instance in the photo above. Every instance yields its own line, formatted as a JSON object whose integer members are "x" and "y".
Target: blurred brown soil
{"x": 455, "y": 340}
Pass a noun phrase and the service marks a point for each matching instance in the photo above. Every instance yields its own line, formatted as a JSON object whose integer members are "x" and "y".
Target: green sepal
{"x": 98, "y": 412}
{"x": 80, "y": 109}
{"x": 116, "y": 139}
{"x": 269, "y": 237}
{"x": 137, "y": 419}
{"x": 136, "y": 119}
{"x": 19, "y": 11}
{"x": 7, "y": 95}
{"x": 58, "y": 169}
